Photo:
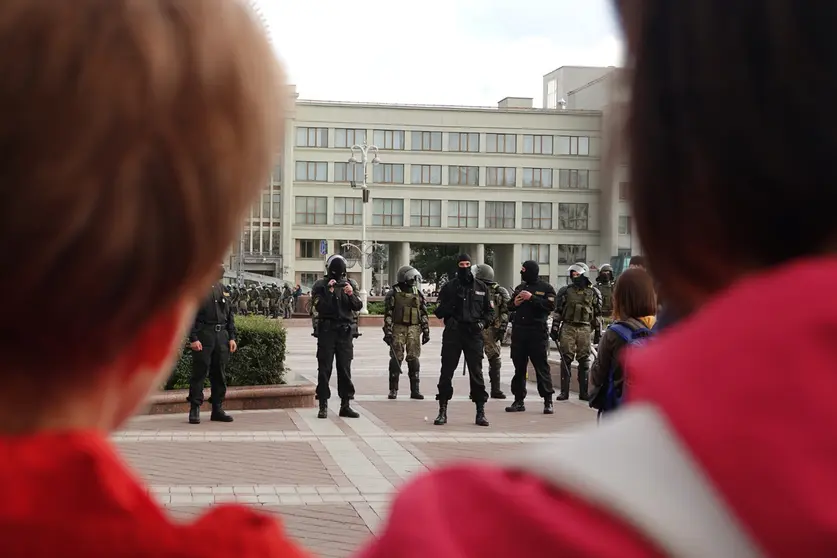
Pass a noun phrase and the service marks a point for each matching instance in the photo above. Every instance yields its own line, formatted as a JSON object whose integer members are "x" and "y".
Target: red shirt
{"x": 748, "y": 384}
{"x": 71, "y": 495}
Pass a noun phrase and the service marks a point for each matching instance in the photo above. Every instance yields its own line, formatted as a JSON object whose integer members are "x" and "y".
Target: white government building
{"x": 528, "y": 182}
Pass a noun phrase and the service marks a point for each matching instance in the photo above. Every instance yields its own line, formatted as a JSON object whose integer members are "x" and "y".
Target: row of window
{"x": 386, "y": 212}
{"x": 467, "y": 142}
{"x": 393, "y": 173}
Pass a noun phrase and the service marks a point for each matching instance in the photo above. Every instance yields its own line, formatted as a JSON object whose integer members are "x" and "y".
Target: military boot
{"x": 414, "y": 367}
{"x": 583, "y": 378}
{"x": 195, "y": 414}
{"x": 346, "y": 411}
{"x": 516, "y": 407}
{"x": 494, "y": 378}
{"x": 443, "y": 414}
{"x": 218, "y": 414}
{"x": 565, "y": 380}
{"x": 393, "y": 386}
{"x": 547, "y": 405}
{"x": 323, "y": 413}
{"x": 481, "y": 420}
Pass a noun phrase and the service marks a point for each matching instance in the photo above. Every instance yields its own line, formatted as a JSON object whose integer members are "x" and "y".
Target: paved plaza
{"x": 331, "y": 480}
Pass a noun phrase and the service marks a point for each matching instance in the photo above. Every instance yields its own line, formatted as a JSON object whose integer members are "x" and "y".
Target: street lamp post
{"x": 363, "y": 151}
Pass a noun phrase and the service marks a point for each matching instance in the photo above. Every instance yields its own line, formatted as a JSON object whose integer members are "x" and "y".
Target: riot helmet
{"x": 484, "y": 272}
{"x": 408, "y": 275}
{"x": 605, "y": 274}
{"x": 578, "y": 274}
{"x": 336, "y": 266}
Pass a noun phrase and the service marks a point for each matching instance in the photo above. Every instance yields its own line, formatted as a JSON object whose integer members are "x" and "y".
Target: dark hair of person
{"x": 638, "y": 261}
{"x": 730, "y": 137}
{"x": 633, "y": 295}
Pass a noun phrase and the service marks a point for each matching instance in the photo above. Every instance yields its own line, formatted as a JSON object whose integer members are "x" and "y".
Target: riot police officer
{"x": 605, "y": 284}
{"x": 577, "y": 309}
{"x": 406, "y": 328}
{"x": 492, "y": 336}
{"x": 333, "y": 307}
{"x": 465, "y": 306}
{"x": 533, "y": 300}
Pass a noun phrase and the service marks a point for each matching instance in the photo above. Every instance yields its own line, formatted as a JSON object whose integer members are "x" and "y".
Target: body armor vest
{"x": 607, "y": 298}
{"x": 578, "y": 308}
{"x": 407, "y": 308}
{"x": 499, "y": 304}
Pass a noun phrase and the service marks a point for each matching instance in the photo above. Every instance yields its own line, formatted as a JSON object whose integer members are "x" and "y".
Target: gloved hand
{"x": 388, "y": 339}
{"x": 553, "y": 332}
{"x": 425, "y": 337}
{"x": 480, "y": 326}
{"x": 597, "y": 336}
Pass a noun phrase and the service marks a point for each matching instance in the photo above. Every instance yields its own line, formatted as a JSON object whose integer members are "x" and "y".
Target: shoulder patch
{"x": 540, "y": 293}
{"x": 479, "y": 293}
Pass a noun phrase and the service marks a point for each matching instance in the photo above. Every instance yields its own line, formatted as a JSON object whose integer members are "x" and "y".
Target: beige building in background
{"x": 525, "y": 181}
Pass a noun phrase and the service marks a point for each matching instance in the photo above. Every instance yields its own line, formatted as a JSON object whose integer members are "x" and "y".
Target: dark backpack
{"x": 609, "y": 397}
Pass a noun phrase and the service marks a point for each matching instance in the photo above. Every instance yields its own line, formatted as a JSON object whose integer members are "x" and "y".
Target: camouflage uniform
{"x": 406, "y": 329}
{"x": 605, "y": 284}
{"x": 493, "y": 336}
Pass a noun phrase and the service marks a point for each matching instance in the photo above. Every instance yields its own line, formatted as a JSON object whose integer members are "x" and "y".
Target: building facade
{"x": 527, "y": 182}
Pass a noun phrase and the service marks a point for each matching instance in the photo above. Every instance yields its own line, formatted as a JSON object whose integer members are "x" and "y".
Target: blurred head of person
{"x": 637, "y": 261}
{"x": 634, "y": 295}
{"x": 135, "y": 136}
{"x": 730, "y": 157}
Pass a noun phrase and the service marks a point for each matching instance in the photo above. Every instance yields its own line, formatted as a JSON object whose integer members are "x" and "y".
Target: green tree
{"x": 434, "y": 260}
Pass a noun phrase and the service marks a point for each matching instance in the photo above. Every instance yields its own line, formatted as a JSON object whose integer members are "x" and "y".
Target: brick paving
{"x": 331, "y": 480}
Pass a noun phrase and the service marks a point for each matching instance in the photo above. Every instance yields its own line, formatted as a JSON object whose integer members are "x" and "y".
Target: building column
{"x": 478, "y": 253}
{"x": 287, "y": 190}
{"x": 555, "y": 269}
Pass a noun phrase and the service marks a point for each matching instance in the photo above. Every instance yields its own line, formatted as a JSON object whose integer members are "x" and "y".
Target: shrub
{"x": 259, "y": 360}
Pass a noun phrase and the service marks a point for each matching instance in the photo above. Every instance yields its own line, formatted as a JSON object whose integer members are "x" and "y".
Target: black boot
{"x": 481, "y": 420}
{"x": 547, "y": 405}
{"x": 346, "y": 411}
{"x": 443, "y": 414}
{"x": 323, "y": 413}
{"x": 583, "y": 375}
{"x": 394, "y": 376}
{"x": 565, "y": 380}
{"x": 516, "y": 407}
{"x": 413, "y": 366}
{"x": 195, "y": 414}
{"x": 494, "y": 378}
{"x": 218, "y": 414}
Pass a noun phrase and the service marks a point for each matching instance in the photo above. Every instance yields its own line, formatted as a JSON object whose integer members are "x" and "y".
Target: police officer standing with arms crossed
{"x": 212, "y": 339}
{"x": 577, "y": 309}
{"x": 532, "y": 301}
{"x": 333, "y": 303}
{"x": 406, "y": 328}
{"x": 493, "y": 336}
{"x": 465, "y": 305}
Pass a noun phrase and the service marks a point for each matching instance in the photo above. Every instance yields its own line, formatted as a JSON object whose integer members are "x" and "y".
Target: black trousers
{"x": 335, "y": 343}
{"x": 530, "y": 344}
{"x": 462, "y": 339}
{"x": 212, "y": 361}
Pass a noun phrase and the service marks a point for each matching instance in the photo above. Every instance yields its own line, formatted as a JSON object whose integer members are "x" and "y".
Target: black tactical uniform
{"x": 465, "y": 305}
{"x": 530, "y": 339}
{"x": 333, "y": 317}
{"x": 214, "y": 327}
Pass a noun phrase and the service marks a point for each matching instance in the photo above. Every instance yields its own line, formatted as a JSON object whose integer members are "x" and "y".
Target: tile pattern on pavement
{"x": 331, "y": 480}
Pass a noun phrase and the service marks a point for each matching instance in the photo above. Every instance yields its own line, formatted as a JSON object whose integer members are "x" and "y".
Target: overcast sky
{"x": 461, "y": 52}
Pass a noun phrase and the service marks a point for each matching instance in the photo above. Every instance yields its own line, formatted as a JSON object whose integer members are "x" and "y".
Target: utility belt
{"x": 341, "y": 328}
{"x": 214, "y": 327}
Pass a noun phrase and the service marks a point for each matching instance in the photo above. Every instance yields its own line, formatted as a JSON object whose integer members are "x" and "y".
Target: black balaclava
{"x": 337, "y": 268}
{"x": 464, "y": 273}
{"x": 530, "y": 272}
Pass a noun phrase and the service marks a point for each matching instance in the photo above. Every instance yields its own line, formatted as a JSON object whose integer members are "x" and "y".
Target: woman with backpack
{"x": 634, "y": 307}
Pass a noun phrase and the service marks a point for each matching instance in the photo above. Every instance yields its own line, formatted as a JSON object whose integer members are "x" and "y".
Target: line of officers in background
{"x": 272, "y": 301}
{"x": 476, "y": 312}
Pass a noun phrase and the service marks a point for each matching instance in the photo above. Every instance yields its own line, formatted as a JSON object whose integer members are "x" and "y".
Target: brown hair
{"x": 134, "y": 136}
{"x": 633, "y": 295}
{"x": 730, "y": 136}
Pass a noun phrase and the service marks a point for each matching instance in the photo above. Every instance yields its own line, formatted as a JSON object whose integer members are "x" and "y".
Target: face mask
{"x": 580, "y": 281}
{"x": 464, "y": 273}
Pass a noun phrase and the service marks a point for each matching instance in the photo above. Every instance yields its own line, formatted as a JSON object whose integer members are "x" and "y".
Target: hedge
{"x": 377, "y": 308}
{"x": 259, "y": 360}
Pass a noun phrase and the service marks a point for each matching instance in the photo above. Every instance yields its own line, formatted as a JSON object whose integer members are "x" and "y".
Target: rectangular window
{"x": 536, "y": 252}
{"x": 311, "y": 210}
{"x": 348, "y": 211}
{"x": 552, "y": 94}
{"x": 537, "y": 215}
{"x": 537, "y": 178}
{"x": 624, "y": 253}
{"x": 311, "y": 137}
{"x": 265, "y": 205}
{"x": 624, "y": 190}
{"x": 347, "y": 137}
{"x": 463, "y": 176}
{"x": 463, "y": 214}
{"x": 388, "y": 139}
{"x": 308, "y": 279}
{"x": 574, "y": 179}
{"x": 307, "y": 171}
{"x": 425, "y": 213}
{"x": 426, "y": 141}
{"x": 501, "y": 143}
{"x": 572, "y": 253}
{"x": 572, "y": 216}
{"x": 426, "y": 174}
{"x": 348, "y": 172}
{"x": 462, "y": 141}
{"x": 387, "y": 212}
{"x": 573, "y": 145}
{"x": 388, "y": 173}
{"x": 247, "y": 237}
{"x": 624, "y": 224}
{"x": 276, "y": 239}
{"x": 499, "y": 215}
{"x": 277, "y": 173}
{"x": 500, "y": 176}
{"x": 309, "y": 249}
{"x": 277, "y": 207}
{"x": 537, "y": 145}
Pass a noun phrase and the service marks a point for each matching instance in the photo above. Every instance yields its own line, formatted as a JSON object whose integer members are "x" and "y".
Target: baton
{"x": 392, "y": 356}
